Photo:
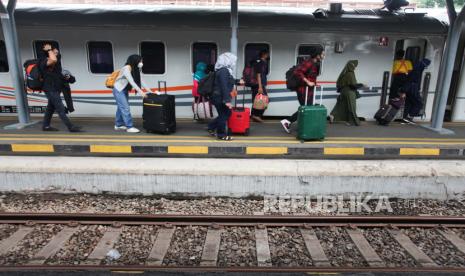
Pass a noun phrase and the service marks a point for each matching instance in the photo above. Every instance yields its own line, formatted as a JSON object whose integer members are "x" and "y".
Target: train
{"x": 95, "y": 40}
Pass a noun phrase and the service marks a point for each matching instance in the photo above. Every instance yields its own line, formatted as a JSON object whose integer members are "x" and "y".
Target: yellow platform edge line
{"x": 267, "y": 150}
{"x": 32, "y": 148}
{"x": 187, "y": 149}
{"x": 344, "y": 151}
{"x": 110, "y": 149}
{"x": 418, "y": 151}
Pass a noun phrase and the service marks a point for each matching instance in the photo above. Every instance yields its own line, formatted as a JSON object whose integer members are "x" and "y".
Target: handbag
{"x": 203, "y": 109}
{"x": 261, "y": 102}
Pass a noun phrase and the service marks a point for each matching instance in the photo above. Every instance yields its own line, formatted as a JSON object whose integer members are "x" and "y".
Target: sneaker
{"x": 331, "y": 119}
{"x": 132, "y": 130}
{"x": 408, "y": 121}
{"x": 257, "y": 119}
{"x": 286, "y": 125}
{"x": 49, "y": 128}
{"x": 120, "y": 128}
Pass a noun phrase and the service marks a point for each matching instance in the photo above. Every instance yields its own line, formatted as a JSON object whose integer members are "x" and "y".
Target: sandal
{"x": 225, "y": 138}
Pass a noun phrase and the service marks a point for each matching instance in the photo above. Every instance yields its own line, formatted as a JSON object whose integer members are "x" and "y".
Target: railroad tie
{"x": 160, "y": 247}
{"x": 211, "y": 247}
{"x": 412, "y": 249}
{"x": 263, "y": 247}
{"x": 368, "y": 253}
{"x": 14, "y": 239}
{"x": 55, "y": 244}
{"x": 314, "y": 248}
{"x": 105, "y": 244}
{"x": 451, "y": 236}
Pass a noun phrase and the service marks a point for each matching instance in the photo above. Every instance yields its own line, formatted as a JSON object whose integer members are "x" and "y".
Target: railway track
{"x": 231, "y": 243}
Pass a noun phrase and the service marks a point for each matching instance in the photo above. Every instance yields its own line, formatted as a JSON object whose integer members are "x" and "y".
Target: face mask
{"x": 140, "y": 65}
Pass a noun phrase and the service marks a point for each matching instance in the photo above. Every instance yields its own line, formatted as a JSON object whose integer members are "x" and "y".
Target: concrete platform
{"x": 440, "y": 179}
{"x": 368, "y": 141}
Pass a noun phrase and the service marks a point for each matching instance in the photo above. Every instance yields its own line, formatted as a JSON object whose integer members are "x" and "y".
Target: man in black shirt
{"x": 52, "y": 86}
{"x": 261, "y": 68}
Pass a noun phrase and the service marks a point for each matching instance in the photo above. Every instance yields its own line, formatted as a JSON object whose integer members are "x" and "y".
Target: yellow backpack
{"x": 111, "y": 79}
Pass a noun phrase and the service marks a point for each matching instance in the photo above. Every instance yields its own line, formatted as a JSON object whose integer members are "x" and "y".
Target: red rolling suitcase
{"x": 239, "y": 122}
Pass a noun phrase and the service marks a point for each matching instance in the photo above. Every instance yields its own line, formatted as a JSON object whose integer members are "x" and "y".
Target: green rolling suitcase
{"x": 312, "y": 120}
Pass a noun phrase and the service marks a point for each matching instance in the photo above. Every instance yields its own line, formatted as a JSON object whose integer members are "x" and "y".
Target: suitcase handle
{"x": 314, "y": 96}
{"x": 243, "y": 98}
{"x": 164, "y": 86}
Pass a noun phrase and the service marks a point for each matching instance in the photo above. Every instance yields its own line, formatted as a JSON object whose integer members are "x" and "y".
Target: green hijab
{"x": 347, "y": 76}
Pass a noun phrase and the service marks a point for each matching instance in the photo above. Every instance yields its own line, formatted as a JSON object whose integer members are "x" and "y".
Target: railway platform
{"x": 368, "y": 141}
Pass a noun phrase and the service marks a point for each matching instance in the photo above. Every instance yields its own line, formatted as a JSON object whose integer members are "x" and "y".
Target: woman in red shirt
{"x": 306, "y": 73}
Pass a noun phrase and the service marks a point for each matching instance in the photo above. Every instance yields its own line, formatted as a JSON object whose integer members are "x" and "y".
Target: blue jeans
{"x": 219, "y": 124}
{"x": 123, "y": 113}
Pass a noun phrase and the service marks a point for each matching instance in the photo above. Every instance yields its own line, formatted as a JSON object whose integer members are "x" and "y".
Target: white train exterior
{"x": 366, "y": 35}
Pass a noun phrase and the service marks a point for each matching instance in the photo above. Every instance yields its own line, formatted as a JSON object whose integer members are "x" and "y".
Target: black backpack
{"x": 33, "y": 76}
{"x": 207, "y": 85}
{"x": 292, "y": 82}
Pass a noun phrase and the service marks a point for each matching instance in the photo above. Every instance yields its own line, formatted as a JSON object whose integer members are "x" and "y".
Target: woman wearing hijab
{"x": 200, "y": 73}
{"x": 223, "y": 93}
{"x": 413, "y": 100}
{"x": 129, "y": 78}
{"x": 346, "y": 106}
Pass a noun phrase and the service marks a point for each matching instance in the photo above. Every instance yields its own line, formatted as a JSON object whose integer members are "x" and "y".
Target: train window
{"x": 204, "y": 52}
{"x": 305, "y": 52}
{"x": 3, "y": 58}
{"x": 413, "y": 54}
{"x": 100, "y": 57}
{"x": 252, "y": 51}
{"x": 153, "y": 54}
{"x": 39, "y": 45}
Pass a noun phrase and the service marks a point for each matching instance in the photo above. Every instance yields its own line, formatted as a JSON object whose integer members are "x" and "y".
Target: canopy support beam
{"x": 456, "y": 34}
{"x": 14, "y": 61}
{"x": 234, "y": 27}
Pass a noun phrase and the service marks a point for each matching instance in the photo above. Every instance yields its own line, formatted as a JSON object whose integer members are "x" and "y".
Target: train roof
{"x": 263, "y": 19}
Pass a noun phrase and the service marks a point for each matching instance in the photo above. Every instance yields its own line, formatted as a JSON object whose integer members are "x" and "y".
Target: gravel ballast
{"x": 186, "y": 246}
{"x": 339, "y": 248}
{"x": 31, "y": 244}
{"x": 237, "y": 247}
{"x": 387, "y": 248}
{"x": 85, "y": 203}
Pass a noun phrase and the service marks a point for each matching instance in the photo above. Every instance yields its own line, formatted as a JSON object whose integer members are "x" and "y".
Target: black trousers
{"x": 55, "y": 105}
{"x": 301, "y": 98}
{"x": 257, "y": 112}
{"x": 398, "y": 81}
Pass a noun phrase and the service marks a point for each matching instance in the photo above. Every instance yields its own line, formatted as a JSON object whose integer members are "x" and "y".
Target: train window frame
{"x": 192, "y": 67}
{"x": 165, "y": 53}
{"x": 88, "y": 56}
{"x": 310, "y": 44}
{"x": 270, "y": 49}
{"x": 34, "y": 44}
{"x": 6, "y": 55}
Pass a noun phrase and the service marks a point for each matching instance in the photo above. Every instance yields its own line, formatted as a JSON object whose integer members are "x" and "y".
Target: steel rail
{"x": 206, "y": 220}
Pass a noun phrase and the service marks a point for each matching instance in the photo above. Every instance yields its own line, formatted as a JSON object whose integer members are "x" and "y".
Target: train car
{"x": 95, "y": 40}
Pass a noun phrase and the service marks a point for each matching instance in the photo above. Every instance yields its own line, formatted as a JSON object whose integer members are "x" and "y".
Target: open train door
{"x": 415, "y": 50}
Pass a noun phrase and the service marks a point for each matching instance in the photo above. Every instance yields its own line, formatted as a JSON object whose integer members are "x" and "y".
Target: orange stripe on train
{"x": 169, "y": 89}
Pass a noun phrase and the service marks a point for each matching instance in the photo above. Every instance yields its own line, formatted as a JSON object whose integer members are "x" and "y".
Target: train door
{"x": 415, "y": 50}
{"x": 206, "y": 52}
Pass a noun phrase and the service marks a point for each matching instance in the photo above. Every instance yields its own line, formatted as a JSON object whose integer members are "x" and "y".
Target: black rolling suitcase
{"x": 387, "y": 113}
{"x": 159, "y": 112}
